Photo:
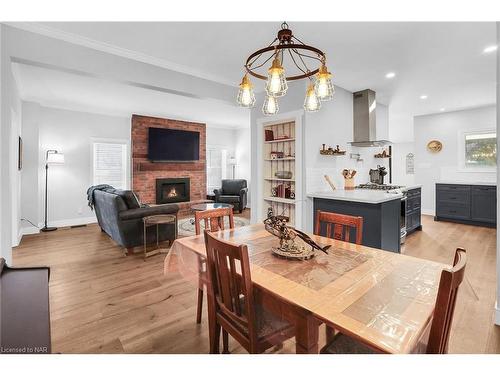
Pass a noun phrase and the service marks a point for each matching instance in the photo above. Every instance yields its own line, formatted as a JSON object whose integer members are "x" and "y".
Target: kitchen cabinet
{"x": 413, "y": 210}
{"x": 468, "y": 204}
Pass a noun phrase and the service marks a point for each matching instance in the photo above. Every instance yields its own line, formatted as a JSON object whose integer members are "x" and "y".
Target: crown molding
{"x": 115, "y": 50}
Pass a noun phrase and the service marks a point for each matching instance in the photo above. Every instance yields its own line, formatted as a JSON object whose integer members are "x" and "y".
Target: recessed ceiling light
{"x": 423, "y": 97}
{"x": 390, "y": 75}
{"x": 442, "y": 109}
{"x": 490, "y": 49}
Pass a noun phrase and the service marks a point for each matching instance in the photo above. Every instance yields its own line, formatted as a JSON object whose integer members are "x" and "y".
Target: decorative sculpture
{"x": 288, "y": 247}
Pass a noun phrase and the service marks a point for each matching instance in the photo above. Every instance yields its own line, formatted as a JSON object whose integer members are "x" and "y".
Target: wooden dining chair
{"x": 441, "y": 322}
{"x": 338, "y": 226}
{"x": 231, "y": 301}
{"x": 214, "y": 221}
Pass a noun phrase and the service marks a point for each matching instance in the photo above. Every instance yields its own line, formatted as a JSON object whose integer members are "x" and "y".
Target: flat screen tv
{"x": 173, "y": 145}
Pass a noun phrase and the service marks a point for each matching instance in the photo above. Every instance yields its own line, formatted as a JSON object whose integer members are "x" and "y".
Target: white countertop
{"x": 412, "y": 186}
{"x": 450, "y": 182}
{"x": 357, "y": 195}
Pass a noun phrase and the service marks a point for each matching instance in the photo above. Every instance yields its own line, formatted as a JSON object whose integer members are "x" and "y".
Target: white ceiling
{"x": 54, "y": 88}
{"x": 444, "y": 61}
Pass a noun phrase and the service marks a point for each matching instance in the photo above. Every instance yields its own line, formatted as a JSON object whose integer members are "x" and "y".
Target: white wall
{"x": 10, "y": 104}
{"x": 444, "y": 166}
{"x": 242, "y": 152}
{"x": 71, "y": 133}
{"x": 399, "y": 153}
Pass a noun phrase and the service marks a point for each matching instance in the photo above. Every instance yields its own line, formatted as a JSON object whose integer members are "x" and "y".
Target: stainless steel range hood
{"x": 365, "y": 120}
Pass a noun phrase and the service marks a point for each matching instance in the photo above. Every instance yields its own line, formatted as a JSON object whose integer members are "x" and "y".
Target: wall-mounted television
{"x": 167, "y": 145}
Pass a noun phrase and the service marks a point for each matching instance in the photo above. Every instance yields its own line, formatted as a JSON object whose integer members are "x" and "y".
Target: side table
{"x": 150, "y": 221}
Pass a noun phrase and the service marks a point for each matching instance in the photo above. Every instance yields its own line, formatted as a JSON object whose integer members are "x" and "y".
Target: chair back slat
{"x": 213, "y": 219}
{"x": 445, "y": 304}
{"x": 230, "y": 286}
{"x": 342, "y": 225}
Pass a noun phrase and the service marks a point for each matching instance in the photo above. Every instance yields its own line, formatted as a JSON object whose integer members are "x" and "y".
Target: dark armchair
{"x": 120, "y": 215}
{"x": 233, "y": 192}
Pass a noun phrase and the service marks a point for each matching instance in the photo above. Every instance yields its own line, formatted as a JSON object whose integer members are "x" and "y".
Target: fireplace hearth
{"x": 172, "y": 190}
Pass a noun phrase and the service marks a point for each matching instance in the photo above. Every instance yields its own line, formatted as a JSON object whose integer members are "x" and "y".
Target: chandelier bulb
{"x": 270, "y": 106}
{"x": 311, "y": 102}
{"x": 276, "y": 81}
{"x": 246, "y": 96}
{"x": 323, "y": 86}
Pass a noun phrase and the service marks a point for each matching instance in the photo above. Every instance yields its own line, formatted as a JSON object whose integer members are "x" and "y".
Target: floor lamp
{"x": 233, "y": 163}
{"x": 51, "y": 157}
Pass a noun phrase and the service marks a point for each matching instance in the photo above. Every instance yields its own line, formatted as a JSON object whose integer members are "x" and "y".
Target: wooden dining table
{"x": 383, "y": 299}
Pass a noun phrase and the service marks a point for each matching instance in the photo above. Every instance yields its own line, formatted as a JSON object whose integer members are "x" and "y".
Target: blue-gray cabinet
{"x": 468, "y": 204}
{"x": 413, "y": 210}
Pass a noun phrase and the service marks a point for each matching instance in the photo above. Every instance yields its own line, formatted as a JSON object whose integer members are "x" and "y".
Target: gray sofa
{"x": 120, "y": 214}
{"x": 233, "y": 192}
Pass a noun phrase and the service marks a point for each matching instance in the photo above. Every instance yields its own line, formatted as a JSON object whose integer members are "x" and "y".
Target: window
{"x": 109, "y": 164}
{"x": 480, "y": 150}
{"x": 216, "y": 167}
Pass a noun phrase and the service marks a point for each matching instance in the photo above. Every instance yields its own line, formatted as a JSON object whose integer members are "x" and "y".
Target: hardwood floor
{"x": 105, "y": 302}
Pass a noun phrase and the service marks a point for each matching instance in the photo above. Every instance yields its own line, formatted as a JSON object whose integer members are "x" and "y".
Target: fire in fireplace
{"x": 172, "y": 190}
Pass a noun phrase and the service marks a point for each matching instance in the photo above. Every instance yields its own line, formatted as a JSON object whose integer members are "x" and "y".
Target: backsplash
{"x": 333, "y": 166}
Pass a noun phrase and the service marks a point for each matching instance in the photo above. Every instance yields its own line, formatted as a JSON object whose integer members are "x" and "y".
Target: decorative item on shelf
{"x": 282, "y": 138}
{"x": 277, "y": 155}
{"x": 282, "y": 191}
{"x": 434, "y": 146}
{"x": 292, "y": 194}
{"x": 269, "y": 135}
{"x": 331, "y": 151}
{"x": 330, "y": 182}
{"x": 288, "y": 247}
{"x": 284, "y": 174}
{"x": 383, "y": 154}
{"x": 348, "y": 178}
{"x": 284, "y": 45}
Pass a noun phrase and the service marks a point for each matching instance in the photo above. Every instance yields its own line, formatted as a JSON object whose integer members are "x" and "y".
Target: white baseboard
{"x": 58, "y": 224}
{"x": 497, "y": 313}
{"x": 29, "y": 230}
{"x": 71, "y": 222}
{"x": 428, "y": 212}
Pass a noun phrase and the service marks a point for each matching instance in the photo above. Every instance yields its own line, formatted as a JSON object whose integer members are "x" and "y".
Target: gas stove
{"x": 373, "y": 186}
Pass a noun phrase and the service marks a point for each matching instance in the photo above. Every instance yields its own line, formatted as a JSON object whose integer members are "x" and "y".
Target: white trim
{"x": 296, "y": 116}
{"x": 28, "y": 230}
{"x": 115, "y": 50}
{"x": 428, "y": 212}
{"x": 497, "y": 313}
{"x": 71, "y": 222}
{"x": 461, "y": 151}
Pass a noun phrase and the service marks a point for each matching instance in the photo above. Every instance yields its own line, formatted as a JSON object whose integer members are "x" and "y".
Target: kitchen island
{"x": 380, "y": 210}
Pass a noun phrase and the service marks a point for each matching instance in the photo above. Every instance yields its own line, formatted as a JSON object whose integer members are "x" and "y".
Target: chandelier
{"x": 298, "y": 55}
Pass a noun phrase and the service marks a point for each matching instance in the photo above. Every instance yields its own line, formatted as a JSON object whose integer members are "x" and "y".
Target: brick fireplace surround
{"x": 145, "y": 173}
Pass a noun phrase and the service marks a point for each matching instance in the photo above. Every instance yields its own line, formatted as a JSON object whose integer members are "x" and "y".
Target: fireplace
{"x": 172, "y": 190}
